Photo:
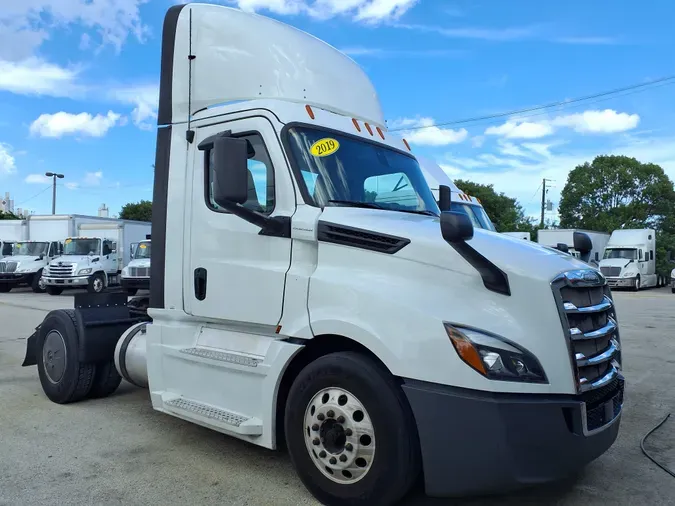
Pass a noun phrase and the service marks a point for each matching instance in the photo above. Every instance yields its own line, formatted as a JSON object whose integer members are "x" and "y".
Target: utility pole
{"x": 54, "y": 175}
{"x": 543, "y": 200}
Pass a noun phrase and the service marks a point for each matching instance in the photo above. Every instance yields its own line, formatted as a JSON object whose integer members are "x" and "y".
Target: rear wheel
{"x": 54, "y": 290}
{"x": 96, "y": 283}
{"x": 350, "y": 432}
{"x": 37, "y": 284}
{"x": 106, "y": 380}
{"x": 63, "y": 377}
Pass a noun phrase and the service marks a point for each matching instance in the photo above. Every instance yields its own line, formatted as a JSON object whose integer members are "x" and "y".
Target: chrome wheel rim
{"x": 339, "y": 435}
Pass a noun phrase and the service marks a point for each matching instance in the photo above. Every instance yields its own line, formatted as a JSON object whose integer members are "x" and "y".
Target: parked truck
{"x": 25, "y": 265}
{"x": 630, "y": 260}
{"x": 525, "y": 236}
{"x": 94, "y": 258}
{"x": 136, "y": 275}
{"x": 379, "y": 343}
{"x": 591, "y": 252}
{"x": 11, "y": 231}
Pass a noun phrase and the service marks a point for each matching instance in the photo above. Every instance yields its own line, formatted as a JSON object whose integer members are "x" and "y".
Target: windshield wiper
{"x": 415, "y": 211}
{"x": 356, "y": 203}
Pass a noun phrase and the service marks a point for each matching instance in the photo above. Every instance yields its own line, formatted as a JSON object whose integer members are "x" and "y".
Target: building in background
{"x": 7, "y": 204}
{"x": 103, "y": 211}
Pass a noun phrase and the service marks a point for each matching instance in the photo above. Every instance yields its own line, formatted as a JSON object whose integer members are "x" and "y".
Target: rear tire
{"x": 5, "y": 288}
{"x": 385, "y": 464}
{"x": 36, "y": 283}
{"x": 54, "y": 290}
{"x": 96, "y": 283}
{"x": 64, "y": 378}
{"x": 106, "y": 380}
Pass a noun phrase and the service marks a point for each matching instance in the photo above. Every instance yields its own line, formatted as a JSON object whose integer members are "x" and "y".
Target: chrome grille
{"x": 61, "y": 271}
{"x": 8, "y": 266}
{"x": 139, "y": 272}
{"x": 611, "y": 271}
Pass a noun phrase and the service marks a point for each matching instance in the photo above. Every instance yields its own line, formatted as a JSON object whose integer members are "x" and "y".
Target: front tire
{"x": 350, "y": 432}
{"x": 4, "y": 288}
{"x": 37, "y": 285}
{"x": 54, "y": 290}
{"x": 63, "y": 377}
{"x": 636, "y": 284}
{"x": 96, "y": 283}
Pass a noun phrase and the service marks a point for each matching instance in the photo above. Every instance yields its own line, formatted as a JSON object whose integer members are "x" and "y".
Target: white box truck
{"x": 94, "y": 257}
{"x": 379, "y": 343}
{"x": 525, "y": 236}
{"x": 630, "y": 260}
{"x": 11, "y": 231}
{"x": 136, "y": 274}
{"x": 564, "y": 239}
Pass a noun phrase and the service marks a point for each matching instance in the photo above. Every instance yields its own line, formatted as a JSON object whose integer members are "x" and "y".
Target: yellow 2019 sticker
{"x": 324, "y": 147}
{"x": 142, "y": 246}
{"x": 68, "y": 241}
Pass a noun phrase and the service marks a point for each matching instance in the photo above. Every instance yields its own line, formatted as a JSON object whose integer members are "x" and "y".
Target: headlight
{"x": 494, "y": 357}
{"x": 84, "y": 271}
{"x": 125, "y": 272}
{"x": 628, "y": 274}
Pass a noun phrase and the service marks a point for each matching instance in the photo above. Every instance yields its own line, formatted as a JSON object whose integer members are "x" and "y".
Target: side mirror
{"x": 444, "y": 198}
{"x": 230, "y": 157}
{"x": 42, "y": 256}
{"x": 456, "y": 227}
{"x": 561, "y": 246}
{"x": 582, "y": 243}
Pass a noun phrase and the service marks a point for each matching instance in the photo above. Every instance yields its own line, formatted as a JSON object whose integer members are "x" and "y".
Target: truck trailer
{"x": 630, "y": 260}
{"x": 94, "y": 257}
{"x": 565, "y": 238}
{"x": 379, "y": 343}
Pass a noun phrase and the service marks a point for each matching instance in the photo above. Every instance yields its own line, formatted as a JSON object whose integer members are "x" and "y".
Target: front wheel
{"x": 96, "y": 283}
{"x": 636, "y": 284}
{"x": 37, "y": 284}
{"x": 54, "y": 290}
{"x": 350, "y": 432}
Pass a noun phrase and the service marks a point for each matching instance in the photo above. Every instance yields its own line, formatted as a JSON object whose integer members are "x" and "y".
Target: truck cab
{"x": 86, "y": 262}
{"x": 136, "y": 275}
{"x": 292, "y": 303}
{"x": 629, "y": 259}
{"x": 26, "y": 264}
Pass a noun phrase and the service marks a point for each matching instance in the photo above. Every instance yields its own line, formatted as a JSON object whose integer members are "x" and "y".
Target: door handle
{"x": 200, "y": 283}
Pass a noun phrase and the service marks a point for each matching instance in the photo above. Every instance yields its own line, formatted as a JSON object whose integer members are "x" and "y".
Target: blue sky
{"x": 78, "y": 87}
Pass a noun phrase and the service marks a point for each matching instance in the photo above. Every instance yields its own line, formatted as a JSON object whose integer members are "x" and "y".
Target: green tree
{"x": 615, "y": 192}
{"x": 139, "y": 211}
{"x": 8, "y": 216}
{"x": 505, "y": 212}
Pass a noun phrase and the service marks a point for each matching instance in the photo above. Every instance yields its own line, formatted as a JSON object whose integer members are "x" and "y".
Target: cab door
{"x": 235, "y": 273}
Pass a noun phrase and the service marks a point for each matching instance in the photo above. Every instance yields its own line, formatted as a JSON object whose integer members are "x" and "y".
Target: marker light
{"x": 356, "y": 124}
{"x": 370, "y": 130}
{"x": 407, "y": 145}
{"x": 379, "y": 131}
{"x": 309, "y": 111}
{"x": 494, "y": 357}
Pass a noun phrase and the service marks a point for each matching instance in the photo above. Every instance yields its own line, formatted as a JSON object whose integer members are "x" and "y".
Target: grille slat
{"x": 8, "y": 266}
{"x": 139, "y": 272}
{"x": 61, "y": 271}
{"x": 610, "y": 271}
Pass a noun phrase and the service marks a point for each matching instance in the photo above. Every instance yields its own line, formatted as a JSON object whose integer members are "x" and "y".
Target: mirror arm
{"x": 278, "y": 226}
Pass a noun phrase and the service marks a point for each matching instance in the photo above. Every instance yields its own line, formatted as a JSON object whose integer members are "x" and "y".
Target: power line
{"x": 662, "y": 80}
{"x": 38, "y": 193}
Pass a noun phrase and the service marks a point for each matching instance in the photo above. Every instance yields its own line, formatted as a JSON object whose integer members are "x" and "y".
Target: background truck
{"x": 11, "y": 231}
{"x": 136, "y": 275}
{"x": 26, "y": 264}
{"x": 564, "y": 238}
{"x": 379, "y": 342}
{"x": 630, "y": 260}
{"x": 519, "y": 235}
{"x": 93, "y": 259}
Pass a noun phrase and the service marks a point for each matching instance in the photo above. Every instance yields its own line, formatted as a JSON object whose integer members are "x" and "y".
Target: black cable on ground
{"x": 642, "y": 445}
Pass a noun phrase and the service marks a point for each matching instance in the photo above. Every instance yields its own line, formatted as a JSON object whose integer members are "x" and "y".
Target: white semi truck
{"x": 94, "y": 258}
{"x": 630, "y": 260}
{"x": 136, "y": 275}
{"x": 565, "y": 239}
{"x": 380, "y": 343}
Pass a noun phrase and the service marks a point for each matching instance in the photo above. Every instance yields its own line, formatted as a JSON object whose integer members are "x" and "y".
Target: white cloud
{"x": 34, "y": 76}
{"x": 37, "y": 179}
{"x": 63, "y": 123}
{"x": 144, "y": 98}
{"x": 7, "y": 161}
{"x": 72, "y": 186}
{"x": 369, "y": 11}
{"x": 375, "y": 52}
{"x": 423, "y": 132}
{"x": 93, "y": 178}
{"x": 587, "y": 122}
{"x": 491, "y": 34}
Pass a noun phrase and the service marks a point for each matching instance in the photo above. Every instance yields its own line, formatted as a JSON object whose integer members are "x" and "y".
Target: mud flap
{"x": 31, "y": 350}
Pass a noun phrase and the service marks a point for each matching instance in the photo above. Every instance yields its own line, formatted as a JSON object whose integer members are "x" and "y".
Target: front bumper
{"x": 476, "y": 443}
{"x": 15, "y": 278}
{"x": 138, "y": 283}
{"x": 65, "y": 282}
{"x": 621, "y": 282}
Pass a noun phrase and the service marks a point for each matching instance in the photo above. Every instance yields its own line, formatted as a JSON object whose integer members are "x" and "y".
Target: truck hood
{"x": 513, "y": 256}
{"x": 21, "y": 259}
{"x": 74, "y": 259}
{"x": 615, "y": 262}
{"x": 139, "y": 262}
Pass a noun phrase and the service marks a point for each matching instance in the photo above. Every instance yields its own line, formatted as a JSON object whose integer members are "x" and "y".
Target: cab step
{"x": 241, "y": 424}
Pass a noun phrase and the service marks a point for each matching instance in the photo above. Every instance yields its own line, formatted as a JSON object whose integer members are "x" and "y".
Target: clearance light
{"x": 495, "y": 357}
{"x": 407, "y": 145}
{"x": 379, "y": 131}
{"x": 309, "y": 111}
{"x": 370, "y": 130}
{"x": 356, "y": 124}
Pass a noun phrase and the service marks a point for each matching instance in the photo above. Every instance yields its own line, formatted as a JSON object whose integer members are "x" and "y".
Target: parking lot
{"x": 119, "y": 451}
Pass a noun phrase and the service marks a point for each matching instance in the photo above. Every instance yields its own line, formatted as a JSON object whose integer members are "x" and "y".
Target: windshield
{"x": 476, "y": 214}
{"x": 82, "y": 247}
{"x": 7, "y": 248}
{"x": 627, "y": 253}
{"x": 142, "y": 251}
{"x": 337, "y": 167}
{"x": 31, "y": 249}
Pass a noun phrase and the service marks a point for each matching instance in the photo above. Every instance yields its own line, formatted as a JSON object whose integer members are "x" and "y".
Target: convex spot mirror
{"x": 456, "y": 227}
{"x": 230, "y": 167}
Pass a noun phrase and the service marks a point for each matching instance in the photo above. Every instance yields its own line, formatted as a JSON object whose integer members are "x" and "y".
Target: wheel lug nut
{"x": 322, "y": 454}
{"x": 316, "y": 441}
{"x": 348, "y": 432}
{"x": 343, "y": 458}
{"x": 341, "y": 419}
{"x": 330, "y": 414}
{"x": 315, "y": 427}
{"x": 333, "y": 460}
{"x": 349, "y": 447}
{"x": 321, "y": 417}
